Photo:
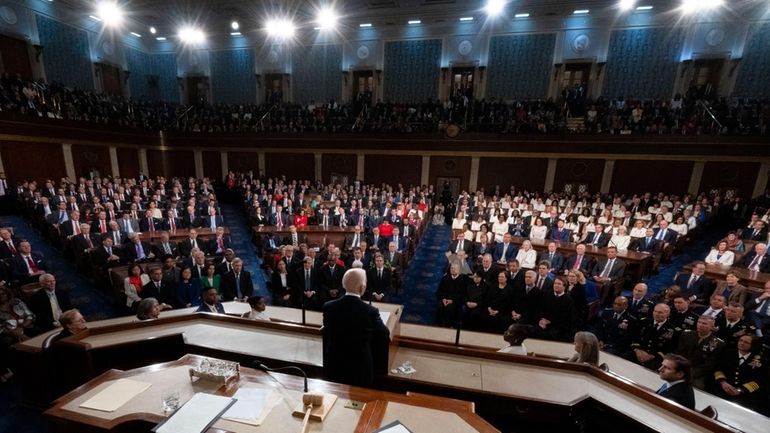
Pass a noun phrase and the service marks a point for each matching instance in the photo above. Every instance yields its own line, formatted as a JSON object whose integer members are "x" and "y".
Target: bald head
{"x": 354, "y": 281}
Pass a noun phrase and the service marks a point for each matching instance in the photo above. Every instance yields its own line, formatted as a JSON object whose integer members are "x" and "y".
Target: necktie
{"x": 754, "y": 263}
{"x": 238, "y": 285}
{"x": 577, "y": 262}
{"x": 151, "y": 224}
{"x": 635, "y": 303}
{"x": 109, "y": 252}
{"x": 34, "y": 269}
{"x": 139, "y": 251}
{"x": 194, "y": 244}
{"x": 459, "y": 246}
{"x": 505, "y": 248}
{"x": 607, "y": 269}
{"x": 764, "y": 307}
{"x": 307, "y": 280}
{"x": 116, "y": 238}
{"x": 617, "y": 316}
{"x": 741, "y": 360}
{"x": 103, "y": 228}
{"x": 294, "y": 240}
{"x": 379, "y": 274}
{"x": 77, "y": 227}
{"x": 693, "y": 279}
{"x": 213, "y": 223}
{"x": 221, "y": 245}
{"x": 11, "y": 248}
{"x": 540, "y": 282}
{"x": 661, "y": 235}
{"x": 662, "y": 390}
{"x": 172, "y": 224}
{"x": 596, "y": 239}
{"x": 62, "y": 215}
{"x": 167, "y": 247}
{"x": 55, "y": 309}
{"x": 88, "y": 241}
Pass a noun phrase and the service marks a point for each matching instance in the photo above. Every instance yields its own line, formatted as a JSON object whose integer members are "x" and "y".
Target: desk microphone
{"x": 258, "y": 364}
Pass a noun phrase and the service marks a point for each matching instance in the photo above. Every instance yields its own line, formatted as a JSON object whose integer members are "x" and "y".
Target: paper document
{"x": 252, "y": 405}
{"x": 384, "y": 315}
{"x": 394, "y": 427}
{"x": 116, "y": 395}
{"x": 196, "y": 415}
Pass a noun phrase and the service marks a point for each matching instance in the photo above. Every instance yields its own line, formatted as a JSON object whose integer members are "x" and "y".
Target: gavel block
{"x": 319, "y": 411}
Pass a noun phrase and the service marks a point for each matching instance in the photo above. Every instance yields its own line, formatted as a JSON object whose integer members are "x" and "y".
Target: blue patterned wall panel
{"x": 412, "y": 70}
{"x": 755, "y": 66}
{"x": 642, "y": 63}
{"x": 65, "y": 57}
{"x": 519, "y": 66}
{"x": 316, "y": 73}
{"x": 232, "y": 76}
{"x": 163, "y": 66}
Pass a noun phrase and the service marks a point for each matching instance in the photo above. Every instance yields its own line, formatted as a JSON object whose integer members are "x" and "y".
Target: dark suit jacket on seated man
{"x": 355, "y": 341}
{"x": 676, "y": 371}
{"x": 210, "y": 303}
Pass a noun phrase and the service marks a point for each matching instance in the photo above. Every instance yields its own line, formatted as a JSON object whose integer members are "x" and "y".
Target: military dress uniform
{"x": 641, "y": 309}
{"x": 730, "y": 333}
{"x": 703, "y": 353}
{"x": 657, "y": 340}
{"x": 683, "y": 321}
{"x": 616, "y": 330}
{"x": 749, "y": 376}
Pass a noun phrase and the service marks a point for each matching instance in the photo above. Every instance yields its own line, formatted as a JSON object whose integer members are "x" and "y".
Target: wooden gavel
{"x": 310, "y": 400}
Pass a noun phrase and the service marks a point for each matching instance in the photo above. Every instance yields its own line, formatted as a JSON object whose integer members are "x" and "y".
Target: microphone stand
{"x": 258, "y": 364}
{"x": 304, "y": 298}
{"x": 457, "y": 332}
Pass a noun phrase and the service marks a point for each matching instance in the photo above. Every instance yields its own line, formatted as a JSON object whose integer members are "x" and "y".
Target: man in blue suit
{"x": 355, "y": 341}
{"x": 559, "y": 233}
{"x": 505, "y": 251}
{"x": 210, "y": 303}
{"x": 695, "y": 285}
{"x": 553, "y": 257}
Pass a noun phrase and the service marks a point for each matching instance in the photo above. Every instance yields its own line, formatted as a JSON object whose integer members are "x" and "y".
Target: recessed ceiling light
{"x": 644, "y": 8}
{"x": 235, "y": 33}
{"x": 153, "y": 30}
{"x": 234, "y": 25}
{"x": 580, "y": 12}
{"x": 522, "y": 15}
{"x": 161, "y": 38}
{"x": 414, "y": 22}
{"x": 466, "y": 18}
{"x": 365, "y": 25}
{"x": 136, "y": 34}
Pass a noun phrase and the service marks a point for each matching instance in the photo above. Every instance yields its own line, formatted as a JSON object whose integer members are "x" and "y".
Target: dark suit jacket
{"x": 510, "y": 253}
{"x": 355, "y": 342}
{"x": 188, "y": 224}
{"x": 681, "y": 393}
{"x": 160, "y": 251}
{"x": 615, "y": 274}
{"x": 41, "y": 306}
{"x": 556, "y": 263}
{"x": 205, "y": 221}
{"x": 562, "y": 236}
{"x": 748, "y": 234}
{"x": 129, "y": 251}
{"x": 604, "y": 239}
{"x": 144, "y": 224}
{"x": 701, "y": 288}
{"x": 164, "y": 295}
{"x": 80, "y": 243}
{"x": 166, "y": 224}
{"x": 331, "y": 280}
{"x": 585, "y": 266}
{"x": 670, "y": 236}
{"x": 205, "y": 308}
{"x": 212, "y": 246}
{"x": 5, "y": 252}
{"x": 375, "y": 284}
{"x": 19, "y": 270}
{"x": 229, "y": 287}
{"x": 185, "y": 247}
{"x": 641, "y": 245}
{"x": 763, "y": 263}
{"x": 381, "y": 243}
{"x": 467, "y": 247}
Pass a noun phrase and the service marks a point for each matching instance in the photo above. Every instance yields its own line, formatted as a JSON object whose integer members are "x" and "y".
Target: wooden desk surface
{"x": 306, "y": 230}
{"x": 592, "y": 250}
{"x": 181, "y": 234}
{"x": 746, "y": 277}
{"x": 412, "y": 410}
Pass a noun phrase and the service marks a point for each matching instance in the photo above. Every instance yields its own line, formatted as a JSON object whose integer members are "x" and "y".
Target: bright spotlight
{"x": 327, "y": 19}
{"x": 153, "y": 30}
{"x": 191, "y": 35}
{"x": 234, "y": 25}
{"x": 626, "y": 5}
{"x": 280, "y": 28}
{"x": 110, "y": 13}
{"x": 494, "y": 7}
{"x": 694, "y": 6}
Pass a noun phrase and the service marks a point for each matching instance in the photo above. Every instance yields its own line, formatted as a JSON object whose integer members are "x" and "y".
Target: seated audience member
{"x": 676, "y": 371}
{"x": 559, "y": 233}
{"x": 695, "y": 285}
{"x": 610, "y": 271}
{"x": 237, "y": 284}
{"x": 210, "y": 278}
{"x": 496, "y": 315}
{"x": 682, "y": 317}
{"x": 538, "y": 231}
{"x": 616, "y": 328}
{"x": 731, "y": 289}
{"x": 187, "y": 246}
{"x": 357, "y": 260}
{"x": 621, "y": 240}
{"x": 170, "y": 273}
{"x": 758, "y": 310}
{"x": 586, "y": 349}
{"x": 733, "y": 325}
{"x": 85, "y": 241}
{"x": 656, "y": 337}
{"x": 703, "y": 349}
{"x": 26, "y": 266}
{"x": 136, "y": 250}
{"x": 72, "y": 322}
{"x": 188, "y": 290}
{"x": 648, "y": 243}
{"x": 281, "y": 285}
{"x": 741, "y": 375}
{"x": 378, "y": 280}
{"x": 720, "y": 255}
{"x": 665, "y": 234}
{"x": 505, "y": 251}
{"x": 210, "y": 302}
{"x": 757, "y": 233}
{"x": 515, "y": 336}
{"x": 219, "y": 243}
{"x": 225, "y": 265}
{"x": 450, "y": 295}
{"x": 159, "y": 289}
{"x": 473, "y": 304}
{"x": 165, "y": 247}
{"x": 553, "y": 257}
{"x": 133, "y": 285}
{"x": 527, "y": 256}
{"x": 579, "y": 261}
{"x": 716, "y": 309}
{"x": 667, "y": 296}
{"x": 757, "y": 260}
{"x": 270, "y": 243}
{"x": 544, "y": 280}
{"x": 148, "y": 308}
{"x": 557, "y": 313}
{"x": 258, "y": 307}
{"x": 460, "y": 244}
{"x": 48, "y": 303}
{"x": 734, "y": 243}
{"x": 639, "y": 306}
{"x": 598, "y": 237}
{"x": 17, "y": 324}
{"x": 330, "y": 276}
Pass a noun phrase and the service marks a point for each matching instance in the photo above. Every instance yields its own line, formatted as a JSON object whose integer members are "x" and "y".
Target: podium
{"x": 418, "y": 412}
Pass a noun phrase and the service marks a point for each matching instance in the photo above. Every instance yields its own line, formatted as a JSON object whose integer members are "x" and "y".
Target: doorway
{"x": 197, "y": 89}
{"x": 111, "y": 83}
{"x": 363, "y": 87}
{"x": 273, "y": 88}
{"x": 706, "y": 76}
{"x": 574, "y": 87}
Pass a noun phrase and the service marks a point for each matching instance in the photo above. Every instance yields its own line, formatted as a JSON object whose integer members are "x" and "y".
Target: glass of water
{"x": 170, "y": 400}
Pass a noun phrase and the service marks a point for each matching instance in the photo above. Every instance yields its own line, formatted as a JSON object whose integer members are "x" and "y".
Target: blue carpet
{"x": 240, "y": 233}
{"x": 418, "y": 289}
{"x": 15, "y": 418}
{"x": 92, "y": 303}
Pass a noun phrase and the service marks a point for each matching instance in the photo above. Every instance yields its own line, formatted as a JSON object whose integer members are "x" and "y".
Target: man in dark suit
{"x": 136, "y": 250}
{"x": 598, "y": 238}
{"x": 219, "y": 243}
{"x": 758, "y": 259}
{"x": 579, "y": 261}
{"x": 553, "y": 257}
{"x": 377, "y": 242}
{"x": 148, "y": 223}
{"x": 657, "y": 337}
{"x": 84, "y": 241}
{"x": 26, "y": 266}
{"x": 647, "y": 244}
{"x": 354, "y": 240}
{"x": 8, "y": 244}
{"x": 191, "y": 219}
{"x": 212, "y": 220}
{"x": 237, "y": 284}
{"x": 525, "y": 301}
{"x": 279, "y": 219}
{"x": 49, "y": 303}
{"x": 307, "y": 286}
{"x": 170, "y": 222}
{"x": 460, "y": 244}
{"x": 676, "y": 370}
{"x": 355, "y": 341}
{"x": 400, "y": 240}
{"x": 378, "y": 280}
{"x": 664, "y": 234}
{"x": 505, "y": 250}
{"x": 165, "y": 247}
{"x": 758, "y": 310}
{"x": 186, "y": 246}
{"x": 161, "y": 290}
{"x": 210, "y": 303}
{"x": 331, "y": 278}
{"x": 695, "y": 285}
{"x": 106, "y": 255}
{"x": 758, "y": 233}
{"x": 544, "y": 280}
{"x": 295, "y": 238}
{"x": 610, "y": 272}
{"x": 559, "y": 233}
{"x": 616, "y": 327}
{"x": 558, "y": 319}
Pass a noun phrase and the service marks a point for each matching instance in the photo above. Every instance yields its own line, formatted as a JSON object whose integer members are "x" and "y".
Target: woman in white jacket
{"x": 720, "y": 255}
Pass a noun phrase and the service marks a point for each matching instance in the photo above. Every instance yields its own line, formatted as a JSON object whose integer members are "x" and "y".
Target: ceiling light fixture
{"x": 494, "y": 7}
{"x": 110, "y": 13}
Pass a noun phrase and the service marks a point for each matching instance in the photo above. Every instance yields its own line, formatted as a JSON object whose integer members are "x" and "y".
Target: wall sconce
{"x": 38, "y": 52}
{"x": 345, "y": 75}
{"x": 180, "y": 82}
{"x": 734, "y": 63}
{"x": 126, "y": 74}
{"x": 259, "y": 80}
{"x": 379, "y": 75}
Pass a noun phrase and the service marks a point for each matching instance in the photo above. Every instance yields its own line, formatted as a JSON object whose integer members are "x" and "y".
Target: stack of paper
{"x": 197, "y": 415}
{"x": 116, "y": 395}
{"x": 252, "y": 405}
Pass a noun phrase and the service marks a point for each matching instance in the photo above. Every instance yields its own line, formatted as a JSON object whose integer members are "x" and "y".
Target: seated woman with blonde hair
{"x": 586, "y": 349}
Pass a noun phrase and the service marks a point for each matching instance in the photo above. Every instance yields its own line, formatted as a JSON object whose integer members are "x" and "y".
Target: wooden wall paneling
{"x": 128, "y": 162}
{"x": 451, "y": 166}
{"x": 523, "y": 173}
{"x": 725, "y": 174}
{"x": 155, "y": 163}
{"x": 392, "y": 169}
{"x": 88, "y": 158}
{"x": 636, "y": 176}
{"x": 243, "y": 161}
{"x": 293, "y": 165}
{"x": 343, "y": 164}
{"x": 33, "y": 161}
{"x": 579, "y": 171}
{"x": 179, "y": 163}
{"x": 212, "y": 165}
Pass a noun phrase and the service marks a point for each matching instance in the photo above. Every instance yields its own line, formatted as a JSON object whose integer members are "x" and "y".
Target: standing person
{"x": 355, "y": 341}
{"x": 676, "y": 371}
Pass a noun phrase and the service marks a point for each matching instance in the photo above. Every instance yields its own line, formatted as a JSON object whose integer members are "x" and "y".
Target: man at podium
{"x": 355, "y": 341}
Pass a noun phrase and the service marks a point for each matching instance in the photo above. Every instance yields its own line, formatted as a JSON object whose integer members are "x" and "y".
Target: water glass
{"x": 170, "y": 400}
